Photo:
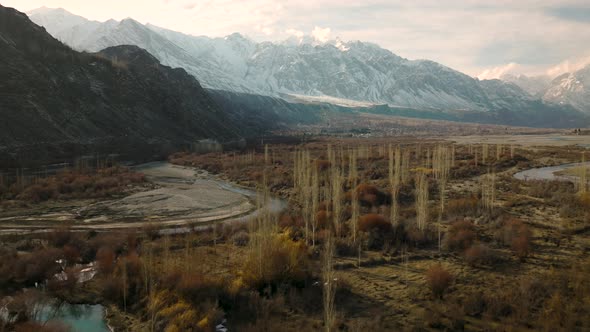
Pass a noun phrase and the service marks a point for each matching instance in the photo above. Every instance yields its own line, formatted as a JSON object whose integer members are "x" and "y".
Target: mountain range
{"x": 305, "y": 68}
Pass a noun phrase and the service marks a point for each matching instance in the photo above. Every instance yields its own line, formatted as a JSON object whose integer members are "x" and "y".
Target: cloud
{"x": 568, "y": 66}
{"x": 552, "y": 70}
{"x": 498, "y": 72}
{"x": 265, "y": 30}
{"x": 321, "y": 34}
{"x": 578, "y": 14}
{"x": 294, "y": 32}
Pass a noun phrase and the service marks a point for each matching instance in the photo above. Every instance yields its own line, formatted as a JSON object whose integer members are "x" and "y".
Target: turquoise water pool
{"x": 79, "y": 317}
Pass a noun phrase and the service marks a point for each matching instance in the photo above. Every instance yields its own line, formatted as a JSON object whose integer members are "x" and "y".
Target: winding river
{"x": 183, "y": 199}
{"x": 548, "y": 173}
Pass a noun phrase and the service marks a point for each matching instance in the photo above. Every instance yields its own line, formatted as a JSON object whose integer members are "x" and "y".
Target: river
{"x": 548, "y": 173}
{"x": 184, "y": 198}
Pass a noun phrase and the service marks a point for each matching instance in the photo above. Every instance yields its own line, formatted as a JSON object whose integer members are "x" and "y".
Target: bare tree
{"x": 330, "y": 284}
{"x": 421, "y": 193}
{"x": 354, "y": 201}
{"x": 582, "y": 176}
{"x": 441, "y": 166}
{"x": 315, "y": 200}
{"x": 336, "y": 198}
{"x": 394, "y": 182}
{"x": 488, "y": 190}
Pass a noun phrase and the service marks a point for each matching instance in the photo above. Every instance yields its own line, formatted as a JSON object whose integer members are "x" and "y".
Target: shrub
{"x": 322, "y": 218}
{"x": 71, "y": 254}
{"x": 480, "y": 254}
{"x": 474, "y": 304}
{"x": 521, "y": 246}
{"x": 280, "y": 261}
{"x": 518, "y": 236}
{"x": 105, "y": 258}
{"x": 112, "y": 288}
{"x": 60, "y": 236}
{"x": 439, "y": 280}
{"x": 371, "y": 195}
{"x": 286, "y": 221}
{"x": 39, "y": 192}
{"x": 241, "y": 238}
{"x": 345, "y": 247}
{"x": 462, "y": 206}
{"x": 373, "y": 221}
{"x": 197, "y": 288}
{"x": 460, "y": 236}
{"x": 322, "y": 165}
{"x": 37, "y": 266}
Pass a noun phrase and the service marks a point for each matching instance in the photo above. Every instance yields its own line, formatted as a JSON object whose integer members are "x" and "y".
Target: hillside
{"x": 59, "y": 102}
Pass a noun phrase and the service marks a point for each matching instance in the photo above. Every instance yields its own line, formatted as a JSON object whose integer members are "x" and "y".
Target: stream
{"x": 183, "y": 199}
{"x": 548, "y": 173}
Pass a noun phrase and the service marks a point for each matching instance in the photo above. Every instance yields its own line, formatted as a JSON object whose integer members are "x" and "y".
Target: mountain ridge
{"x": 350, "y": 70}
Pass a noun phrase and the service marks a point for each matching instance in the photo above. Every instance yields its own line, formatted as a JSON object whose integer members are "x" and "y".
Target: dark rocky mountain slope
{"x": 56, "y": 102}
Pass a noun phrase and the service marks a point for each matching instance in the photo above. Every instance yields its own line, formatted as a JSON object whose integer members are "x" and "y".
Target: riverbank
{"x": 181, "y": 197}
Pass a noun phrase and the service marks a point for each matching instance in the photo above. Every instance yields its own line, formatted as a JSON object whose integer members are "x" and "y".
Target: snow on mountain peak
{"x": 312, "y": 65}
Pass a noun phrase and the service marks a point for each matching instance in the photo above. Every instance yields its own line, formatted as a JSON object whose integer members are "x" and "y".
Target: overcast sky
{"x": 480, "y": 38}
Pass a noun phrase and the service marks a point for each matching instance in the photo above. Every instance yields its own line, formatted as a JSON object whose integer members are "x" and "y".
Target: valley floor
{"x": 516, "y": 260}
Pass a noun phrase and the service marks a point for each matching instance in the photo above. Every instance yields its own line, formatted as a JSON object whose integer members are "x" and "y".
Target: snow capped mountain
{"x": 300, "y": 66}
{"x": 571, "y": 88}
{"x": 57, "y": 20}
{"x": 534, "y": 85}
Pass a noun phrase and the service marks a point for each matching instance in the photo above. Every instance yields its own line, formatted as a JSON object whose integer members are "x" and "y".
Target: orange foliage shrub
{"x": 372, "y": 221}
{"x": 322, "y": 218}
{"x": 460, "y": 236}
{"x": 105, "y": 258}
{"x": 369, "y": 195}
{"x": 78, "y": 184}
{"x": 438, "y": 280}
{"x": 480, "y": 254}
{"x": 518, "y": 236}
{"x": 197, "y": 288}
{"x": 322, "y": 165}
{"x": 40, "y": 192}
{"x": 462, "y": 206}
